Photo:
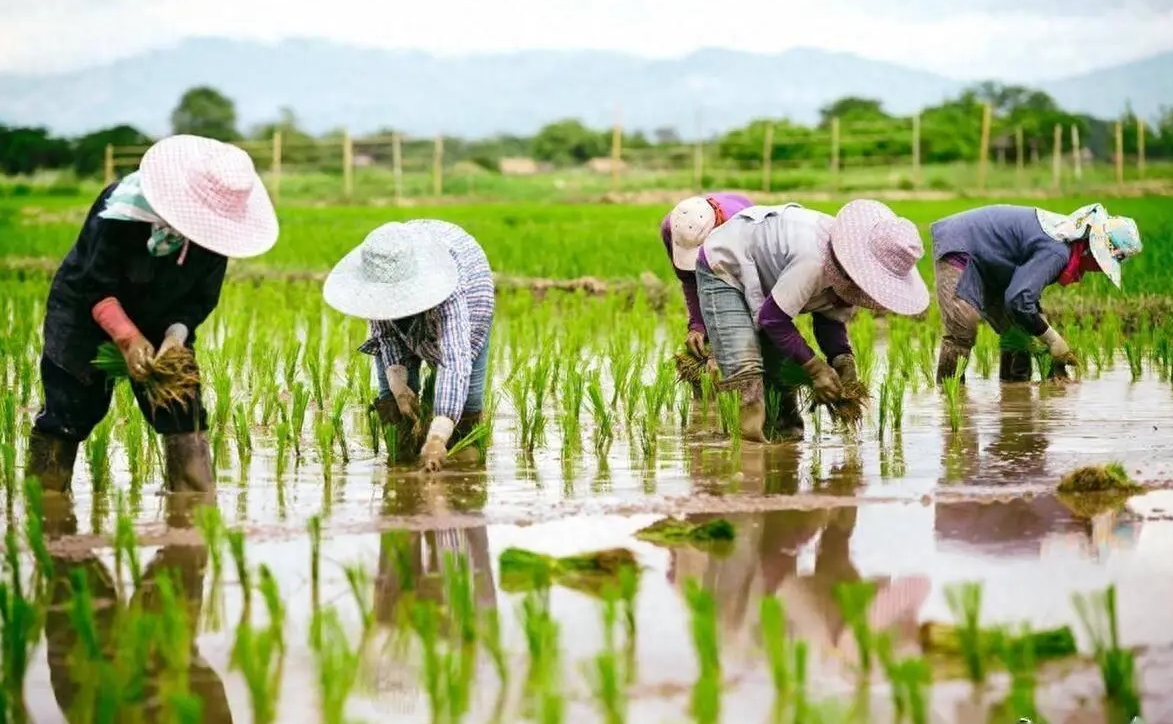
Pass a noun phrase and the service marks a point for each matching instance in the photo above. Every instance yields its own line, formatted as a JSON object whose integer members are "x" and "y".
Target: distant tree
{"x": 26, "y": 150}
{"x": 297, "y": 146}
{"x": 204, "y": 111}
{"x": 89, "y": 151}
{"x": 852, "y": 109}
{"x": 666, "y": 136}
{"x": 568, "y": 141}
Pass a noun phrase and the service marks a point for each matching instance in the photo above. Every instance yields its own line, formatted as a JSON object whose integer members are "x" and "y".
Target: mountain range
{"x": 330, "y": 85}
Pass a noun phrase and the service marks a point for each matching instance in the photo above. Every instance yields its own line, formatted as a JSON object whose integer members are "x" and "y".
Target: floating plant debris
{"x": 945, "y": 639}
{"x": 1098, "y": 479}
{"x": 714, "y": 535}
{"x": 523, "y": 570}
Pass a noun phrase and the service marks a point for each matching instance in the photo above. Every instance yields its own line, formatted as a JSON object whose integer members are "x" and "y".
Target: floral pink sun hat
{"x": 877, "y": 251}
{"x": 210, "y": 193}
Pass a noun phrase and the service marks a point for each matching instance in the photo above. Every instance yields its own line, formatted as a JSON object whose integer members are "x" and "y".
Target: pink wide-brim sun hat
{"x": 879, "y": 251}
{"x": 210, "y": 193}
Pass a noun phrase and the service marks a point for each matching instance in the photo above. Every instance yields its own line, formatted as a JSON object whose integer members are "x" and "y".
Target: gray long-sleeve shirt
{"x": 1011, "y": 259}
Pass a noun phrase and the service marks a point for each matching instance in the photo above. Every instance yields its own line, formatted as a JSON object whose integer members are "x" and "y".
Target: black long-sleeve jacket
{"x": 110, "y": 259}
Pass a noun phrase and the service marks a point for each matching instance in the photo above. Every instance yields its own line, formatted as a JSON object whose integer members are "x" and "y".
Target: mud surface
{"x": 914, "y": 512}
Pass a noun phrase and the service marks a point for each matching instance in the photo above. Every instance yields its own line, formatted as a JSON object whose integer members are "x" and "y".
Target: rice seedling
{"x": 544, "y": 678}
{"x": 126, "y": 549}
{"x": 241, "y": 429}
{"x": 608, "y": 680}
{"x": 299, "y": 403}
{"x": 337, "y": 412}
{"x": 787, "y": 659}
{"x": 953, "y": 390}
{"x": 283, "y": 438}
{"x": 1108, "y": 478}
{"x": 490, "y": 636}
{"x": 98, "y": 453}
{"x": 523, "y": 570}
{"x": 172, "y": 378}
{"x": 705, "y": 704}
{"x": 8, "y": 441}
{"x": 314, "y": 528}
{"x": 211, "y": 527}
{"x": 965, "y": 603}
{"x": 1016, "y": 650}
{"x": 324, "y": 436}
{"x": 1097, "y": 613}
{"x": 939, "y": 639}
{"x": 21, "y": 620}
{"x": 910, "y": 679}
{"x": 338, "y": 663}
{"x": 477, "y": 438}
{"x": 854, "y": 600}
{"x": 715, "y": 536}
{"x": 604, "y": 418}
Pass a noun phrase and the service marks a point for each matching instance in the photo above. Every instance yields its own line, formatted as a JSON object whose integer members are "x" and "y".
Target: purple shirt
{"x": 730, "y": 204}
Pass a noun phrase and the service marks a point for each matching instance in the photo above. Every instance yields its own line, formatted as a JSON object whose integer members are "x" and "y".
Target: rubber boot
{"x": 788, "y": 424}
{"x": 1015, "y": 366}
{"x": 753, "y": 421}
{"x": 387, "y": 410}
{"x": 950, "y": 358}
{"x": 50, "y": 460}
{"x": 189, "y": 463}
{"x": 468, "y": 422}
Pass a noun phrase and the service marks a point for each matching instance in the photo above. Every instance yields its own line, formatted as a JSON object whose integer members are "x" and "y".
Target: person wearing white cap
{"x": 993, "y": 263}
{"x": 683, "y": 231}
{"x": 427, "y": 290}
{"x": 768, "y": 264}
{"x": 145, "y": 272}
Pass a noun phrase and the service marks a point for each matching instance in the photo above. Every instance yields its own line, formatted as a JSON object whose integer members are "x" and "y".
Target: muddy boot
{"x": 753, "y": 421}
{"x": 50, "y": 460}
{"x": 387, "y": 410}
{"x": 788, "y": 424}
{"x": 949, "y": 361}
{"x": 189, "y": 463}
{"x": 1015, "y": 366}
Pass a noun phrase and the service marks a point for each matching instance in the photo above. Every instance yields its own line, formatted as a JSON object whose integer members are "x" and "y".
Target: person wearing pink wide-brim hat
{"x": 145, "y": 272}
{"x": 768, "y": 264}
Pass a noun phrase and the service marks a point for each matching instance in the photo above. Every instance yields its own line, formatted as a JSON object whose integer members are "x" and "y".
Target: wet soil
{"x": 914, "y": 512}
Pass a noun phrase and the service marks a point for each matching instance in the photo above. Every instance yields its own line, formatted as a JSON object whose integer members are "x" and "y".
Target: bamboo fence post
{"x": 1019, "y": 161}
{"x": 768, "y": 157}
{"x": 347, "y": 165}
{"x": 616, "y": 148}
{"x": 835, "y": 153}
{"x": 984, "y": 149}
{"x": 438, "y": 166}
{"x": 397, "y": 166}
{"x": 275, "y": 171}
{"x": 1076, "y": 160}
{"x": 1119, "y": 154}
{"x": 1140, "y": 147}
{"x": 916, "y": 151}
{"x": 1057, "y": 157}
{"x": 108, "y": 165}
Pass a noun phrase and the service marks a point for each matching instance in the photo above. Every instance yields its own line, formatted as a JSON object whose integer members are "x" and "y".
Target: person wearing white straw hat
{"x": 768, "y": 264}
{"x": 145, "y": 272}
{"x": 683, "y": 231}
{"x": 427, "y": 290}
{"x": 992, "y": 264}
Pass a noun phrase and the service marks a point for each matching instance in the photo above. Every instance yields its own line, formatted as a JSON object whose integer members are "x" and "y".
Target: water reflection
{"x": 182, "y": 564}
{"x": 1016, "y": 454}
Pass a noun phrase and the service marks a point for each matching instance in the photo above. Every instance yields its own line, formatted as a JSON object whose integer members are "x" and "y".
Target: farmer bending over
{"x": 993, "y": 263}
{"x": 683, "y": 231}
{"x": 427, "y": 290}
{"x": 145, "y": 272}
{"x": 768, "y": 264}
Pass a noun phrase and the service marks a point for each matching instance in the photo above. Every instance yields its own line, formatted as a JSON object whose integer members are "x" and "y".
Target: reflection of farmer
{"x": 994, "y": 262}
{"x": 184, "y": 566}
{"x": 768, "y": 264}
{"x": 1004, "y": 527}
{"x": 424, "y": 554}
{"x": 683, "y": 231}
{"x": 144, "y": 273}
{"x": 427, "y": 290}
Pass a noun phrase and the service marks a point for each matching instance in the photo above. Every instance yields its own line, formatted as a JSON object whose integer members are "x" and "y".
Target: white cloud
{"x": 994, "y": 42}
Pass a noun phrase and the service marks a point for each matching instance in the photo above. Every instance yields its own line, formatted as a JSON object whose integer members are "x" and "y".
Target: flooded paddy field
{"x": 922, "y": 568}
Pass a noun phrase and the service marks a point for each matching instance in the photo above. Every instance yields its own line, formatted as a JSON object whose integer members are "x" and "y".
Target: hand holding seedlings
{"x": 433, "y": 453}
{"x": 827, "y": 385}
{"x": 844, "y": 366}
{"x": 694, "y": 342}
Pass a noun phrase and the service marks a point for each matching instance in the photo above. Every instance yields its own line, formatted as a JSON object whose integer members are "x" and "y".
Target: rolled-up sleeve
{"x": 455, "y": 368}
{"x": 1026, "y": 287}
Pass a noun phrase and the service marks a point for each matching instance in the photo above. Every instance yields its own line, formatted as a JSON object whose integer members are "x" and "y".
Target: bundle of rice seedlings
{"x": 590, "y": 573}
{"x": 713, "y": 535}
{"x": 690, "y": 369}
{"x": 944, "y": 639}
{"x": 1087, "y": 506}
{"x": 172, "y": 378}
{"x": 1098, "y": 479}
{"x": 848, "y": 410}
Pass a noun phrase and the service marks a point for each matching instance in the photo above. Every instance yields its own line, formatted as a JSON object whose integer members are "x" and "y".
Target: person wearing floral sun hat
{"x": 768, "y": 264}
{"x": 145, "y": 272}
{"x": 426, "y": 288}
{"x": 683, "y": 231}
{"x": 993, "y": 262}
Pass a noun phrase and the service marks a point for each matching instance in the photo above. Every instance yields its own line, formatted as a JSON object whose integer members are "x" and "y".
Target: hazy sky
{"x": 1017, "y": 40}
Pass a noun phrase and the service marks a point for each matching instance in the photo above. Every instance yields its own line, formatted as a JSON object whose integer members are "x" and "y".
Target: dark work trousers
{"x": 72, "y": 408}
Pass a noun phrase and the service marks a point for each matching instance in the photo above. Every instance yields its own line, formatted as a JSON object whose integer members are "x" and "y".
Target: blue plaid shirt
{"x": 450, "y": 335}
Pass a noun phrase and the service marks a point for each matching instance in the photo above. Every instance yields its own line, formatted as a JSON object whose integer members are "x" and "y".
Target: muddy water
{"x": 913, "y": 512}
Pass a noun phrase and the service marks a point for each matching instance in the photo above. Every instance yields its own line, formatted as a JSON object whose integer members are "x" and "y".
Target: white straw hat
{"x": 397, "y": 271}
{"x": 690, "y": 223}
{"x": 210, "y": 193}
